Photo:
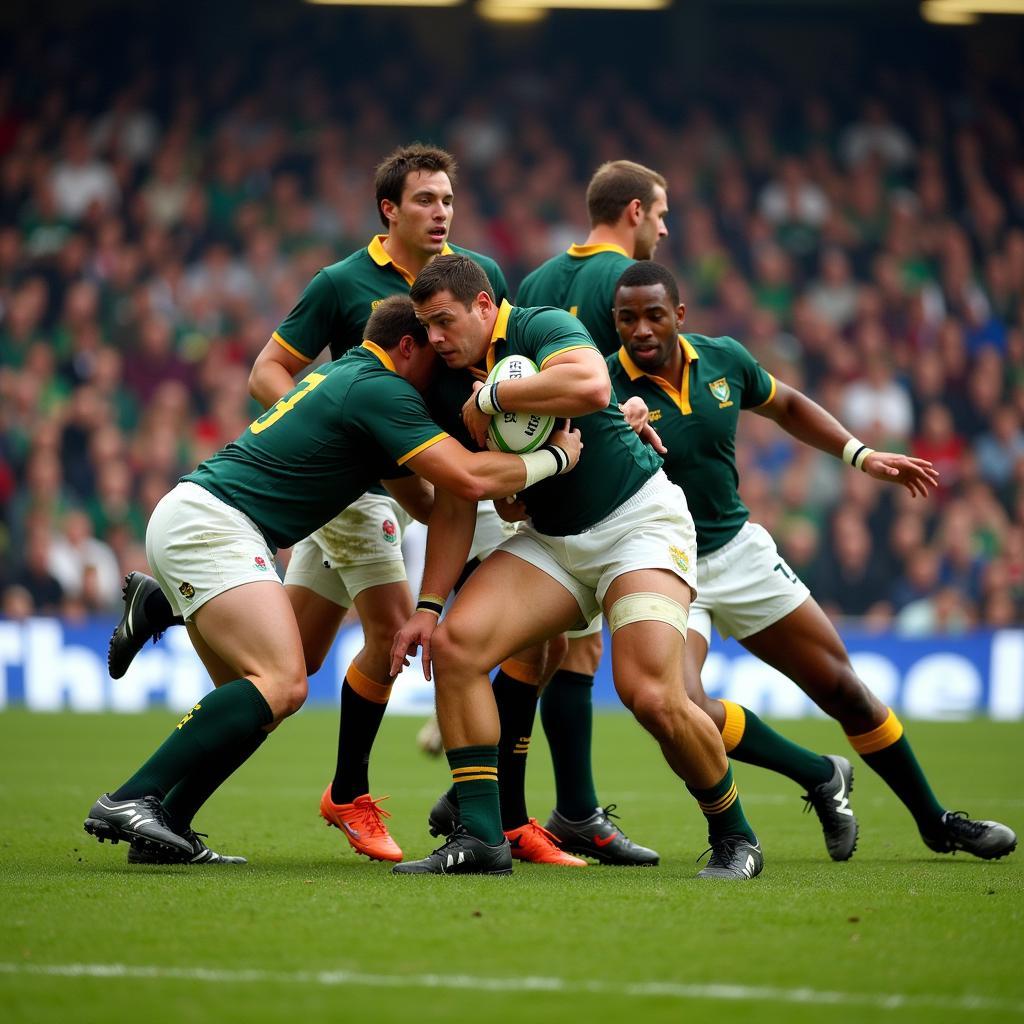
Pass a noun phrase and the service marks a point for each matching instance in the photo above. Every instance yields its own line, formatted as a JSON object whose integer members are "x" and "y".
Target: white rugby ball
{"x": 517, "y": 432}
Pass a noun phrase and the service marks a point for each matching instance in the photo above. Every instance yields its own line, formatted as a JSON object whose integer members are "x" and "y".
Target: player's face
{"x": 651, "y": 229}
{"x": 421, "y": 365}
{"x": 648, "y": 325}
{"x": 422, "y": 219}
{"x": 458, "y": 335}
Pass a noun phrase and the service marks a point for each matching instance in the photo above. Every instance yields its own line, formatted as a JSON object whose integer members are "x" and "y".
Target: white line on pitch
{"x": 567, "y": 986}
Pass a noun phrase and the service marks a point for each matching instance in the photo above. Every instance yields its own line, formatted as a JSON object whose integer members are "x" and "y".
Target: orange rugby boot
{"x": 534, "y": 843}
{"x": 362, "y": 824}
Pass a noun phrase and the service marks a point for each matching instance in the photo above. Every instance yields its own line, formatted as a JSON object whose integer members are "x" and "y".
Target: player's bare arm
{"x": 809, "y": 422}
{"x": 414, "y": 494}
{"x": 476, "y": 476}
{"x": 571, "y": 383}
{"x": 449, "y": 537}
{"x": 274, "y": 372}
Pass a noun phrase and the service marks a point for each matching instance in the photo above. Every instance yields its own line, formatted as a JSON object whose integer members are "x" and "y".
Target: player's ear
{"x": 635, "y": 210}
{"x": 388, "y": 208}
{"x": 680, "y": 313}
{"x": 485, "y": 302}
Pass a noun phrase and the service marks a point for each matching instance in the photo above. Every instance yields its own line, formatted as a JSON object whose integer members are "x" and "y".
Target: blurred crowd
{"x": 155, "y": 228}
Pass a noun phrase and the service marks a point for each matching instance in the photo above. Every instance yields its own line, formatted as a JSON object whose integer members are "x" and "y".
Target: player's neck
{"x": 611, "y": 234}
{"x": 410, "y": 259}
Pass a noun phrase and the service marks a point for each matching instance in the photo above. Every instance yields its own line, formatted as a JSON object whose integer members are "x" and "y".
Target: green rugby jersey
{"x": 346, "y": 426}
{"x": 614, "y": 464}
{"x": 336, "y": 304}
{"x": 581, "y": 280}
{"x": 698, "y": 425}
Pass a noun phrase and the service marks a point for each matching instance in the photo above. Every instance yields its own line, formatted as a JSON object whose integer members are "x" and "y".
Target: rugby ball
{"x": 517, "y": 432}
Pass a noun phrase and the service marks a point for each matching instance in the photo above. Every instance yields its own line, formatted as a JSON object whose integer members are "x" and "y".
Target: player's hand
{"x": 569, "y": 441}
{"x": 917, "y": 475}
{"x": 476, "y": 422}
{"x": 416, "y": 633}
{"x": 511, "y": 509}
{"x": 637, "y": 416}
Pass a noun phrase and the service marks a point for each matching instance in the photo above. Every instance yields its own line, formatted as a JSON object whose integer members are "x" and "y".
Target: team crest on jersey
{"x": 375, "y": 304}
{"x": 720, "y": 389}
{"x": 260, "y": 563}
{"x": 654, "y": 415}
{"x": 680, "y": 557}
{"x": 390, "y": 531}
{"x": 187, "y": 591}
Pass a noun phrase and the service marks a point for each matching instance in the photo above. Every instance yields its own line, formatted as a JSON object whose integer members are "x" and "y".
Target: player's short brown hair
{"x": 389, "y": 179}
{"x": 615, "y": 185}
{"x": 458, "y": 275}
{"x": 391, "y": 320}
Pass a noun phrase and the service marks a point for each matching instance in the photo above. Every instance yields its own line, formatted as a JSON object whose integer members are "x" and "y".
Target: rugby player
{"x": 626, "y": 204}
{"x": 695, "y": 388}
{"x": 211, "y": 542}
{"x": 356, "y": 558}
{"x": 623, "y": 529}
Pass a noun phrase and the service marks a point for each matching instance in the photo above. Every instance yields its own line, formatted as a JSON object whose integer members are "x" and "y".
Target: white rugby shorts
{"x": 358, "y": 549}
{"x": 651, "y": 530}
{"x": 198, "y": 547}
{"x": 744, "y": 587}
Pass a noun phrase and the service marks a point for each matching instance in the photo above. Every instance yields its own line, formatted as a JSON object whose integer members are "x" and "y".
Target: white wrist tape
{"x": 547, "y": 461}
{"x": 856, "y": 452}
{"x": 487, "y": 400}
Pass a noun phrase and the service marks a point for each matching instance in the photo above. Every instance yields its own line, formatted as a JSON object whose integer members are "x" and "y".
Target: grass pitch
{"x": 308, "y": 931}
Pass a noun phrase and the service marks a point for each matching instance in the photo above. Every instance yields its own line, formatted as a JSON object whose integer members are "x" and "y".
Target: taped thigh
{"x": 646, "y": 606}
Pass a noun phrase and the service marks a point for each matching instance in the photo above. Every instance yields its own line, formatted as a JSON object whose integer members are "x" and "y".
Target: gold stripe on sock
{"x": 476, "y": 778}
{"x": 722, "y": 804}
{"x": 521, "y": 671}
{"x": 734, "y": 726}
{"x": 458, "y": 774}
{"x": 367, "y": 688}
{"x": 522, "y": 746}
{"x": 878, "y": 739}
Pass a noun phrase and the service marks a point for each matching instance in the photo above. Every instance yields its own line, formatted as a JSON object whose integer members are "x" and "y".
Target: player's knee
{"x": 847, "y": 698}
{"x": 653, "y": 709}
{"x": 379, "y": 634}
{"x": 285, "y": 692}
{"x": 448, "y": 650}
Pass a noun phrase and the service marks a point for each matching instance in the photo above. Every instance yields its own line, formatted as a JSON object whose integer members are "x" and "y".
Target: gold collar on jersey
{"x": 380, "y": 256}
{"x": 380, "y": 354}
{"x": 583, "y": 251}
{"x": 680, "y": 397}
{"x": 500, "y": 331}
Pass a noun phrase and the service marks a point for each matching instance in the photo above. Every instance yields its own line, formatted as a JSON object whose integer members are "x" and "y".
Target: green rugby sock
{"x": 721, "y": 806}
{"x": 187, "y": 796}
{"x": 517, "y": 708}
{"x": 887, "y": 751}
{"x": 748, "y": 739}
{"x": 475, "y": 773}
{"x": 220, "y": 721}
{"x": 567, "y": 714}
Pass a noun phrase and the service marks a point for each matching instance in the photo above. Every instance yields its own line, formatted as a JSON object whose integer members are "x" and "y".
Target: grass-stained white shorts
{"x": 744, "y": 587}
{"x": 198, "y": 547}
{"x": 356, "y": 550}
{"x": 651, "y": 530}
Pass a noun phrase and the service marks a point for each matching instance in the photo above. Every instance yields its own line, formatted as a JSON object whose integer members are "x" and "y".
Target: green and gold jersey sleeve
{"x": 393, "y": 415}
{"x": 552, "y": 332}
{"x": 758, "y": 383}
{"x": 307, "y": 330}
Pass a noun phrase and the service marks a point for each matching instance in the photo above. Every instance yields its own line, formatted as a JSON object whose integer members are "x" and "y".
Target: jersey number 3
{"x": 286, "y": 404}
